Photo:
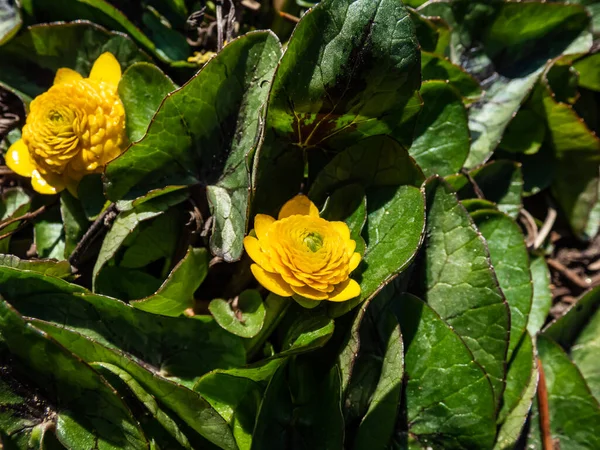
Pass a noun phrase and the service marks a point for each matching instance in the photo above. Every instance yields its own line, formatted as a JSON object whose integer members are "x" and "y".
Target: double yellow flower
{"x": 73, "y": 129}
{"x": 303, "y": 255}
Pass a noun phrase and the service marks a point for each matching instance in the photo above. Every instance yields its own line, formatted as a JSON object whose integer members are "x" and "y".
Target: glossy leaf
{"x": 449, "y": 399}
{"x": 574, "y": 412}
{"x": 510, "y": 259}
{"x": 458, "y": 282}
{"x": 372, "y": 398}
{"x": 441, "y": 143}
{"x": 499, "y": 181}
{"x": 75, "y": 222}
{"x": 142, "y": 89}
{"x": 393, "y": 235}
{"x": 145, "y": 398}
{"x": 525, "y": 133}
{"x": 52, "y": 268}
{"x": 542, "y": 296}
{"x": 585, "y": 352}
{"x": 307, "y": 396}
{"x": 435, "y": 67}
{"x": 10, "y": 20}
{"x": 208, "y": 145}
{"x": 176, "y": 294}
{"x": 115, "y": 324}
{"x": 49, "y": 235}
{"x": 510, "y": 430}
{"x": 245, "y": 319}
{"x": 577, "y": 149}
{"x": 46, "y": 48}
{"x": 74, "y": 386}
{"x": 13, "y": 203}
{"x": 588, "y": 69}
{"x": 373, "y": 162}
{"x": 531, "y": 33}
{"x": 521, "y": 368}
{"x": 565, "y": 329}
{"x": 105, "y": 14}
{"x": 128, "y": 221}
{"x": 356, "y": 77}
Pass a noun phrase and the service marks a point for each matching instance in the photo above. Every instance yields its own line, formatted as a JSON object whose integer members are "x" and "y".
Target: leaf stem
{"x": 103, "y": 220}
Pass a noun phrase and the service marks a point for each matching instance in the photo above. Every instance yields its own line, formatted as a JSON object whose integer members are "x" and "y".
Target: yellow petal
{"x": 271, "y": 281}
{"x": 354, "y": 261}
{"x": 345, "y": 291}
{"x": 262, "y": 223}
{"x": 252, "y": 247}
{"x": 310, "y": 293}
{"x": 107, "y": 69}
{"x": 342, "y": 229}
{"x": 18, "y": 159}
{"x": 47, "y": 184}
{"x": 299, "y": 205}
{"x": 66, "y": 75}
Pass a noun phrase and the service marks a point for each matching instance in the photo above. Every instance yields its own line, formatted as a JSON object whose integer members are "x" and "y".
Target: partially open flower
{"x": 303, "y": 255}
{"x": 73, "y": 129}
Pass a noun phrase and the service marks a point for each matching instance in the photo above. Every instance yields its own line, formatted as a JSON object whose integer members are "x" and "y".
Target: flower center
{"x": 314, "y": 241}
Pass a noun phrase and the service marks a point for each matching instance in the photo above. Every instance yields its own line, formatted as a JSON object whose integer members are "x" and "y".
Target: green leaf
{"x": 236, "y": 395}
{"x": 589, "y": 70}
{"x": 275, "y": 309}
{"x": 176, "y": 294}
{"x": 102, "y": 13}
{"x": 110, "y": 371}
{"x": 564, "y": 330}
{"x": 371, "y": 405}
{"x": 531, "y": 33}
{"x": 156, "y": 239}
{"x": 14, "y": 202}
{"x": 142, "y": 90}
{"x": 189, "y": 141}
{"x": 356, "y": 77}
{"x": 475, "y": 204}
{"x": 524, "y": 134}
{"x": 393, "y": 235}
{"x": 576, "y": 184}
{"x": 510, "y": 259}
{"x": 126, "y": 222}
{"x": 441, "y": 143}
{"x": 435, "y": 67}
{"x": 458, "y": 282}
{"x": 117, "y": 325}
{"x": 75, "y": 222}
{"x": 574, "y": 412}
{"x": 245, "y": 318}
{"x": 58, "y": 269}
{"x": 301, "y": 409}
{"x": 373, "y": 162}
{"x": 585, "y": 352}
{"x": 542, "y": 296}
{"x": 43, "y": 49}
{"x": 449, "y": 400}
{"x": 348, "y": 204}
{"x": 499, "y": 181}
{"x": 75, "y": 386}
{"x": 304, "y": 330}
{"x": 514, "y": 420}
{"x": 49, "y": 235}
{"x": 10, "y": 20}
{"x": 521, "y": 366}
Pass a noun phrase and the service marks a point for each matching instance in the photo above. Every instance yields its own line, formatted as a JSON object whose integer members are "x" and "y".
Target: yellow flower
{"x": 303, "y": 255}
{"x": 73, "y": 129}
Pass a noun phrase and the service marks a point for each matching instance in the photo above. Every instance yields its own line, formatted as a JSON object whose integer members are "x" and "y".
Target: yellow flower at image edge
{"x": 73, "y": 129}
{"x": 302, "y": 255}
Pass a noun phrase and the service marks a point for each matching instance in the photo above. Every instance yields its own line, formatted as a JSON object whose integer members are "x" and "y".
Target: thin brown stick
{"x": 568, "y": 274}
{"x": 219, "y": 8}
{"x": 478, "y": 192}
{"x": 532, "y": 230}
{"x": 5, "y": 171}
{"x": 104, "y": 220}
{"x": 544, "y": 408}
{"x": 24, "y": 217}
{"x": 546, "y": 227}
{"x": 289, "y": 17}
{"x": 10, "y": 233}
